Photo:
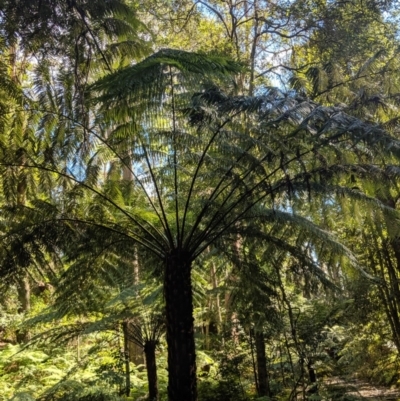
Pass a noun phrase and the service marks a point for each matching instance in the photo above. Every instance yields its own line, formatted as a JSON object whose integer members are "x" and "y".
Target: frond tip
{"x": 150, "y": 74}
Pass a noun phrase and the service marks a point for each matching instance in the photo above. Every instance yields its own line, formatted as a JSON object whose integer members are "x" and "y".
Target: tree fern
{"x": 201, "y": 162}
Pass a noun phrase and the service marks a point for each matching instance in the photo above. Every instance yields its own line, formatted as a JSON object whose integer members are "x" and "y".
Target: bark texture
{"x": 180, "y": 328}
{"x": 150, "y": 354}
{"x": 262, "y": 372}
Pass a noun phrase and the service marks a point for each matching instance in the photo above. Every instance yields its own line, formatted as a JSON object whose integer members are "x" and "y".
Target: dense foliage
{"x": 199, "y": 199}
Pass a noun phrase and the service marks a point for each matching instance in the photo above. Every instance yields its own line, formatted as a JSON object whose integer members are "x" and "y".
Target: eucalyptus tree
{"x": 285, "y": 41}
{"x": 351, "y": 59}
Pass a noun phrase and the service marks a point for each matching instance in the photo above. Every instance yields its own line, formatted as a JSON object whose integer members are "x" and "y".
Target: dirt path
{"x": 348, "y": 390}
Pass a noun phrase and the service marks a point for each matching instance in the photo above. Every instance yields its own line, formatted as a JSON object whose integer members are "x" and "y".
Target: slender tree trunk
{"x": 311, "y": 373}
{"x": 217, "y": 302}
{"x": 24, "y": 298}
{"x": 262, "y": 373}
{"x": 231, "y": 280}
{"x": 150, "y": 354}
{"x": 127, "y": 173}
{"x": 126, "y": 358}
{"x": 256, "y": 35}
{"x": 251, "y": 333}
{"x": 281, "y": 366}
{"x": 215, "y": 285}
{"x": 78, "y": 348}
{"x": 24, "y": 294}
{"x": 135, "y": 351}
{"x": 207, "y": 335}
{"x": 312, "y": 376}
{"x": 182, "y": 384}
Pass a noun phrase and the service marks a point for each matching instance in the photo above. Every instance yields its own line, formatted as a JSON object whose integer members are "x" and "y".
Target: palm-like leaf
{"x": 199, "y": 165}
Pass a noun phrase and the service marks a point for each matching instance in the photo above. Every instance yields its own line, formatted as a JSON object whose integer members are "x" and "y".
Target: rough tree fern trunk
{"x": 150, "y": 354}
{"x": 262, "y": 372}
{"x": 180, "y": 329}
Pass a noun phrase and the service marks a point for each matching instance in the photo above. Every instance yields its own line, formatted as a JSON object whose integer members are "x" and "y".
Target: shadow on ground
{"x": 356, "y": 390}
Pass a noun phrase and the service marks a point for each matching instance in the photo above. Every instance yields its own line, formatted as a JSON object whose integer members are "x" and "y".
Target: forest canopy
{"x": 199, "y": 199}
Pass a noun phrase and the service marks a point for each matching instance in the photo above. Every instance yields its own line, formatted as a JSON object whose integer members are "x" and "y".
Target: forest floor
{"x": 360, "y": 390}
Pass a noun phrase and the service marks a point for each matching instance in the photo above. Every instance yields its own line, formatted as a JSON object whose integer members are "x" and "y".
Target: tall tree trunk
{"x": 126, "y": 358}
{"x": 24, "y": 298}
{"x": 262, "y": 373}
{"x": 251, "y": 333}
{"x": 182, "y": 384}
{"x": 150, "y": 353}
{"x": 311, "y": 372}
{"x": 232, "y": 279}
{"x": 24, "y": 294}
{"x": 135, "y": 351}
{"x": 312, "y": 377}
{"x": 217, "y": 302}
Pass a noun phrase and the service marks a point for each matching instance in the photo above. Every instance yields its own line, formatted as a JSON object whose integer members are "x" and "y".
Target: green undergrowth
{"x": 93, "y": 369}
